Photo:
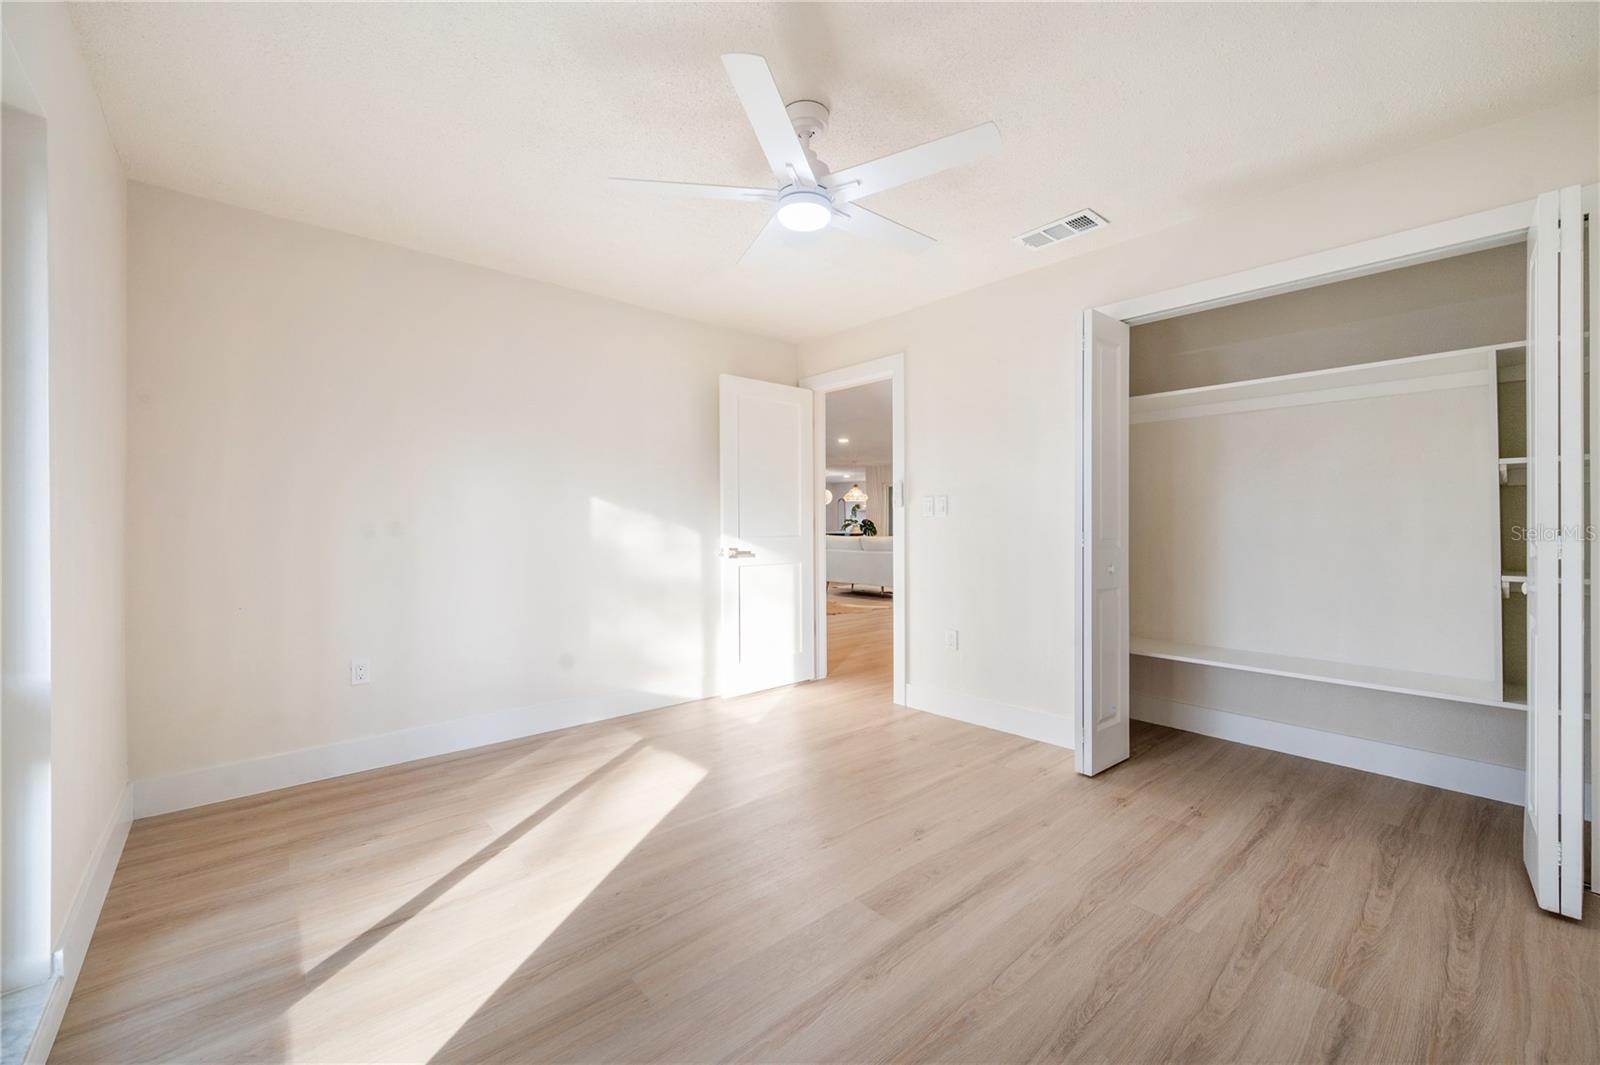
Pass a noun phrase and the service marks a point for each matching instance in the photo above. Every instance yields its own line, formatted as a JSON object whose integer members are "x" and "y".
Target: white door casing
{"x": 1101, "y": 713}
{"x": 766, "y": 550}
{"x": 889, "y": 368}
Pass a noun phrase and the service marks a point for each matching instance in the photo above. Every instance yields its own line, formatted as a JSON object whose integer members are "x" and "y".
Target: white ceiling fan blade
{"x": 752, "y": 80}
{"x": 772, "y": 237}
{"x": 864, "y": 223}
{"x": 701, "y": 192}
{"x": 864, "y": 179}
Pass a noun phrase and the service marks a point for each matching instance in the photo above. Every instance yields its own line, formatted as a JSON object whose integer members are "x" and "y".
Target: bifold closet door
{"x": 1573, "y": 544}
{"x": 1553, "y": 809}
{"x": 1100, "y": 717}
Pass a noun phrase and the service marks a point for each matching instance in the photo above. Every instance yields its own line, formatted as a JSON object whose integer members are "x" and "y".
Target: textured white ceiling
{"x": 863, "y": 416}
{"x": 485, "y": 133}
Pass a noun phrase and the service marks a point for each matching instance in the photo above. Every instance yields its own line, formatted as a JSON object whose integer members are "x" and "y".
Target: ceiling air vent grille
{"x": 1074, "y": 225}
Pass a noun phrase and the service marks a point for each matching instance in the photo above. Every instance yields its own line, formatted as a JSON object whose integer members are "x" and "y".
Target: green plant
{"x": 868, "y": 528}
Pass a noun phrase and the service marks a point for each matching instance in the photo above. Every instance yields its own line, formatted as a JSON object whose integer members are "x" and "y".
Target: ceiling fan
{"x": 810, "y": 197}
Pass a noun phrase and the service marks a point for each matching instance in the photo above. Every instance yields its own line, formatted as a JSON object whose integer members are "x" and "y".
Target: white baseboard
{"x": 82, "y": 917}
{"x": 198, "y": 787}
{"x": 1484, "y": 779}
{"x": 1003, "y": 717}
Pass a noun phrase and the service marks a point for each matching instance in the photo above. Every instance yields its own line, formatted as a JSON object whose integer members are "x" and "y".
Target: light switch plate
{"x": 941, "y": 506}
{"x": 952, "y": 640}
{"x": 927, "y": 506}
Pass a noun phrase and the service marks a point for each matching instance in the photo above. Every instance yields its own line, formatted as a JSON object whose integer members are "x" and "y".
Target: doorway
{"x": 861, "y": 549}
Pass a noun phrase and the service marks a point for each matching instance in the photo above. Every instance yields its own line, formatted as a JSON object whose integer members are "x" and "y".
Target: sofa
{"x": 861, "y": 560}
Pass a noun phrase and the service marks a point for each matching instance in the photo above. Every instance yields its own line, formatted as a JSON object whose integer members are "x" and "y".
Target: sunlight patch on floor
{"x": 752, "y": 709}
{"x": 550, "y": 775}
{"x": 450, "y": 956}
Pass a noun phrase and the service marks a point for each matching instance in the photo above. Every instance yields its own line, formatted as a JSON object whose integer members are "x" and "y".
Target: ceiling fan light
{"x": 804, "y": 211}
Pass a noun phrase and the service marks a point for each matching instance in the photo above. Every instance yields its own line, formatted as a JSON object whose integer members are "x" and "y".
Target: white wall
{"x": 502, "y": 493}
{"x": 88, "y": 394}
{"x": 990, "y": 388}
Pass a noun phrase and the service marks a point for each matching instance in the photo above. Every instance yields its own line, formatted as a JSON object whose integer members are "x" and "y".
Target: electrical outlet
{"x": 360, "y": 671}
{"x": 952, "y": 640}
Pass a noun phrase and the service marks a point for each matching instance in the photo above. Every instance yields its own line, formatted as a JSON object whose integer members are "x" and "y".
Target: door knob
{"x": 738, "y": 552}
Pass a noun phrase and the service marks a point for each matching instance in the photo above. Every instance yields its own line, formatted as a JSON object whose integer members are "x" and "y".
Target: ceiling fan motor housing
{"x": 804, "y": 210}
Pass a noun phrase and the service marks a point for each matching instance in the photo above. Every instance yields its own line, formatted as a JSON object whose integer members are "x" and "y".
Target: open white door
{"x": 1549, "y": 478}
{"x": 766, "y": 550}
{"x": 1100, "y": 721}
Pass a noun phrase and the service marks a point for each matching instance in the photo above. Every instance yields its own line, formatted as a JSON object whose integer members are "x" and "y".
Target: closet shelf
{"x": 1513, "y": 360}
{"x": 1514, "y": 469}
{"x": 1427, "y": 685}
{"x": 1508, "y": 579}
{"x": 1445, "y": 369}
{"x": 1517, "y": 699}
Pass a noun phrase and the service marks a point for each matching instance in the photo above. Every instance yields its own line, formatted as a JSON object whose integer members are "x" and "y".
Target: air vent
{"x": 1074, "y": 225}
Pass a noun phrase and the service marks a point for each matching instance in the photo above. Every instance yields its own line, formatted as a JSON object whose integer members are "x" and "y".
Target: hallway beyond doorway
{"x": 860, "y": 636}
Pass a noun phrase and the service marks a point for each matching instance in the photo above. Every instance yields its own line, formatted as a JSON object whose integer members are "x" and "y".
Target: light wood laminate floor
{"x": 816, "y": 875}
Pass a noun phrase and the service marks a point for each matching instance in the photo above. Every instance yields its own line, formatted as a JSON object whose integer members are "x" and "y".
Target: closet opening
{"x": 1328, "y": 487}
{"x": 1339, "y": 507}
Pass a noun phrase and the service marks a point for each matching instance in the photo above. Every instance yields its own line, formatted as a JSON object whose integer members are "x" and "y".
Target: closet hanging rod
{"x": 1445, "y": 369}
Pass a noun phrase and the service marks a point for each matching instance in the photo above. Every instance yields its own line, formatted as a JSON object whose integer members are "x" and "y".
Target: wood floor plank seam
{"x": 817, "y": 875}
